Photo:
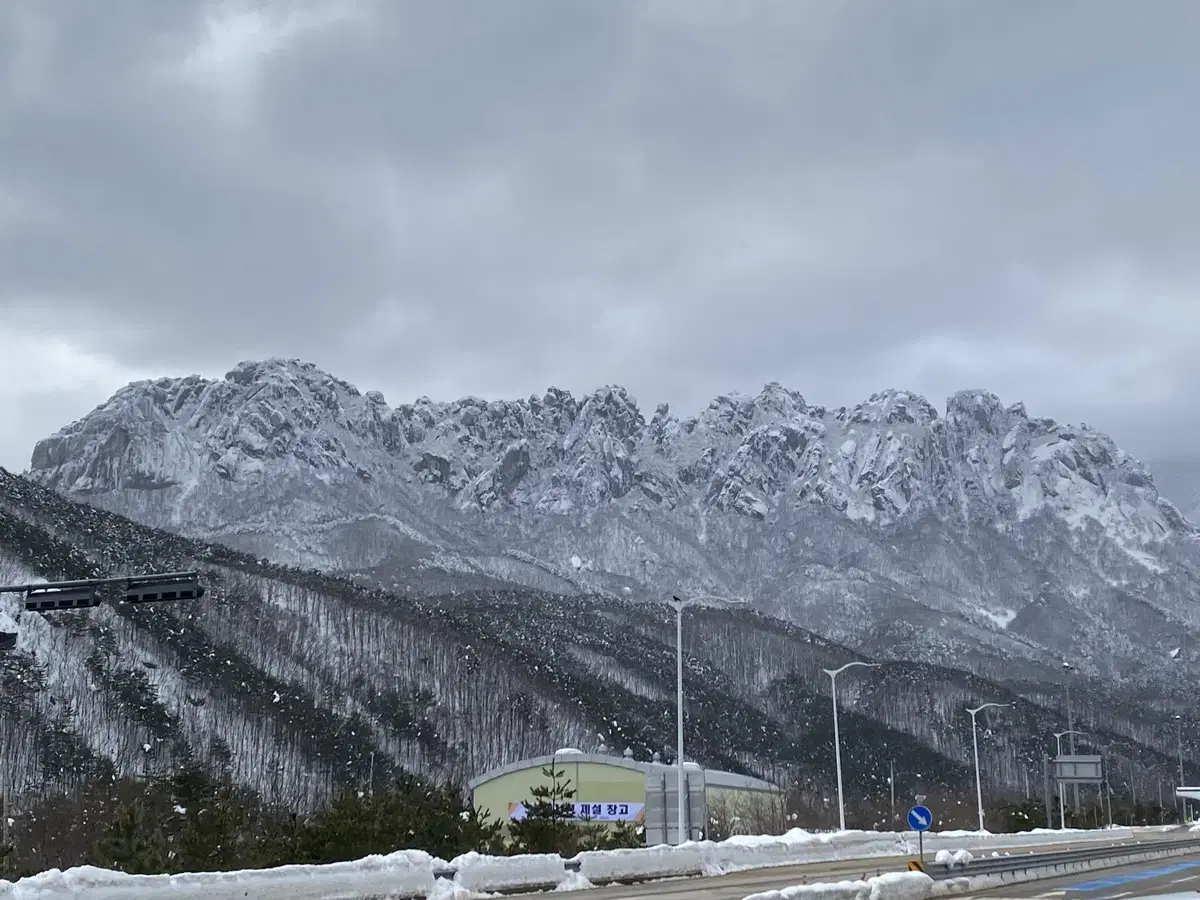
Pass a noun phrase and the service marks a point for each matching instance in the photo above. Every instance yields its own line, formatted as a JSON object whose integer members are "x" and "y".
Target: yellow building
{"x": 622, "y": 789}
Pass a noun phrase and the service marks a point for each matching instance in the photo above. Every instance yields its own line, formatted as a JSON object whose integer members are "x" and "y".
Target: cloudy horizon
{"x": 686, "y": 198}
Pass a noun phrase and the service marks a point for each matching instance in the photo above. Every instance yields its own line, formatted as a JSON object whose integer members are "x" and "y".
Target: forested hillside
{"x": 296, "y": 683}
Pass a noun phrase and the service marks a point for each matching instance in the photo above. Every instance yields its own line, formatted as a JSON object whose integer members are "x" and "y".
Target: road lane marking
{"x": 1119, "y": 880}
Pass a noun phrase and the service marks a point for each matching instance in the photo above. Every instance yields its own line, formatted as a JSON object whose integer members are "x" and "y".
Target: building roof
{"x": 712, "y": 777}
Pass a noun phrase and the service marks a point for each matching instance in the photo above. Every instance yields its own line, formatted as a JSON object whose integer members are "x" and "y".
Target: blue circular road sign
{"x": 920, "y": 818}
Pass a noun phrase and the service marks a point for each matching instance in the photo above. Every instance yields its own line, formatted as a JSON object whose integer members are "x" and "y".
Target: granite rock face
{"x": 979, "y": 536}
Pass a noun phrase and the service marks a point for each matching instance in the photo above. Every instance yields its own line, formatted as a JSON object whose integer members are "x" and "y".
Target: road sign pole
{"x": 919, "y": 820}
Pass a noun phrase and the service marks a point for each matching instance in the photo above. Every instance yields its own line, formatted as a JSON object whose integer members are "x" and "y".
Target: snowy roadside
{"x": 412, "y": 873}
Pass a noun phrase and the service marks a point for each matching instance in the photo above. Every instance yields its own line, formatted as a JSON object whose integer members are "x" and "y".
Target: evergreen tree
{"x": 549, "y": 825}
{"x": 133, "y": 844}
{"x": 409, "y": 813}
{"x": 1022, "y": 816}
{"x": 623, "y": 835}
{"x": 188, "y": 821}
{"x": 8, "y": 859}
{"x": 219, "y": 830}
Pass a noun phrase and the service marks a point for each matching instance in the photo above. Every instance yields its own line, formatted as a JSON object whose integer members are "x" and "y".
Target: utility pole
{"x": 892, "y": 785}
{"x": 1046, "y": 789}
{"x": 1068, "y": 668}
{"x": 1132, "y": 793}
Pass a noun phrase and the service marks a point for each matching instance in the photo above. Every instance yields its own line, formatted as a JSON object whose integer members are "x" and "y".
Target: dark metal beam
{"x": 98, "y": 582}
{"x": 87, "y": 593}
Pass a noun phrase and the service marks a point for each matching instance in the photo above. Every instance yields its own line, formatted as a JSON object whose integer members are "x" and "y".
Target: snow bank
{"x": 412, "y": 872}
{"x": 892, "y": 886}
{"x": 405, "y": 872}
{"x": 796, "y": 846}
{"x": 953, "y": 858}
{"x": 900, "y": 886}
{"x": 643, "y": 862}
{"x": 476, "y": 872}
{"x": 742, "y": 852}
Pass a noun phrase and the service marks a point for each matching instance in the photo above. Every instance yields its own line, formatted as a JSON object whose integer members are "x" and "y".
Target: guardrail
{"x": 415, "y": 875}
{"x": 1031, "y": 866}
{"x": 570, "y": 866}
{"x": 1019, "y": 867}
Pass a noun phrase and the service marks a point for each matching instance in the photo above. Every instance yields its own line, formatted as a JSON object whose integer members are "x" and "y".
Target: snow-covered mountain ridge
{"x": 980, "y": 532}
{"x": 299, "y": 684}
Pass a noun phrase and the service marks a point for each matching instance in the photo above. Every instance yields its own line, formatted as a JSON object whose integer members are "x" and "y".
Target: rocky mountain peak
{"x": 894, "y": 407}
{"x": 838, "y": 518}
{"x": 887, "y": 457}
{"x": 287, "y": 426}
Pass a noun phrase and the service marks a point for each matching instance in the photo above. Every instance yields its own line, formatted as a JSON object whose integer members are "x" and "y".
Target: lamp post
{"x": 1133, "y": 748}
{"x": 975, "y": 743}
{"x": 1179, "y": 737}
{"x": 837, "y": 745}
{"x": 1062, "y": 812}
{"x": 1068, "y": 669}
{"x": 679, "y": 606}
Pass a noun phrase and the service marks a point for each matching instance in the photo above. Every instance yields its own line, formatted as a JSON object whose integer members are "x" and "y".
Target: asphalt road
{"x": 1153, "y": 879}
{"x": 738, "y": 885}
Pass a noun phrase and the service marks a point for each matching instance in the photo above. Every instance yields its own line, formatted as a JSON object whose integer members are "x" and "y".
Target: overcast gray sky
{"x": 686, "y": 198}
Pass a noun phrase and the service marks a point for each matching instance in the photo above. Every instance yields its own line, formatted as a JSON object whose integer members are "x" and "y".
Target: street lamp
{"x": 1062, "y": 813}
{"x": 1067, "y": 670}
{"x": 1176, "y": 655}
{"x": 1179, "y": 737}
{"x": 975, "y": 742}
{"x": 837, "y": 745}
{"x": 679, "y": 606}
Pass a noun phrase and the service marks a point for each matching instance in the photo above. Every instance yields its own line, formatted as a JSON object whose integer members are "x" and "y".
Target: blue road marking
{"x": 1117, "y": 880}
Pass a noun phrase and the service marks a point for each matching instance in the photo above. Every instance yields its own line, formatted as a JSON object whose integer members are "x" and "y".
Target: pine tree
{"x": 548, "y": 826}
{"x": 218, "y": 830}
{"x": 133, "y": 844}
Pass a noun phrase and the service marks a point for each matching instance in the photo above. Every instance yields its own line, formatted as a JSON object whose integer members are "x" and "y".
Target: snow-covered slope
{"x": 980, "y": 535}
{"x": 298, "y": 684}
{"x": 1179, "y": 479}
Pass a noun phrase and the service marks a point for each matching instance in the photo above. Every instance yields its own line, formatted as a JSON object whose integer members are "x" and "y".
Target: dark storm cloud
{"x": 686, "y": 197}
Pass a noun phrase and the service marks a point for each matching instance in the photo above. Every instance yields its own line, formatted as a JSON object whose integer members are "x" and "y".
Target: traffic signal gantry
{"x": 57, "y": 596}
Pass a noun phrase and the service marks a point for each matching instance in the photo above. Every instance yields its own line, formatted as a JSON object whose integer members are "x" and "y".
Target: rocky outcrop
{"x": 836, "y": 518}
